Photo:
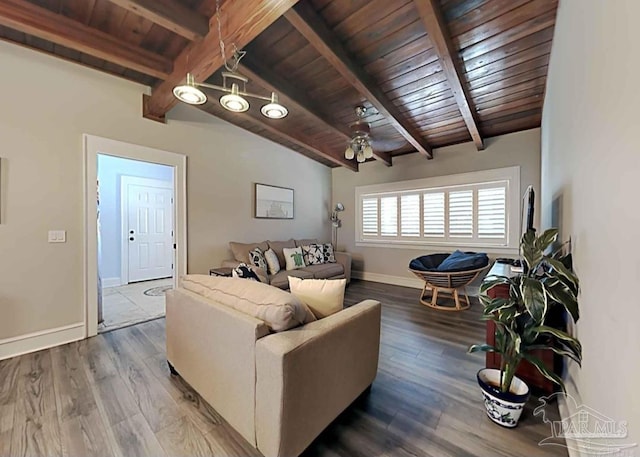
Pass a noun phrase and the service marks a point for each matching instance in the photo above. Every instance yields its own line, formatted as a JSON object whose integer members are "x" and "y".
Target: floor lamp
{"x": 335, "y": 224}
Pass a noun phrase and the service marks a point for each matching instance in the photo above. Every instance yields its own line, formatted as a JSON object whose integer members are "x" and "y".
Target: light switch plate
{"x": 57, "y": 236}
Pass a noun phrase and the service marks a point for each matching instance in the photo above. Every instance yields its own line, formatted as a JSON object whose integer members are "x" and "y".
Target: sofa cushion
{"x": 277, "y": 247}
{"x": 277, "y": 308}
{"x": 294, "y": 258}
{"x": 327, "y": 252}
{"x": 463, "y": 261}
{"x": 244, "y": 271}
{"x": 324, "y": 296}
{"x": 272, "y": 261}
{"x": 326, "y": 270}
{"x": 281, "y": 279}
{"x": 305, "y": 242}
{"x": 313, "y": 254}
{"x": 241, "y": 250}
{"x": 257, "y": 258}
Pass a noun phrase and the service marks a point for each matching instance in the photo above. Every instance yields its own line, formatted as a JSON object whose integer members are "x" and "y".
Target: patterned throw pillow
{"x": 294, "y": 258}
{"x": 272, "y": 260}
{"x": 244, "y": 271}
{"x": 327, "y": 253}
{"x": 257, "y": 258}
{"x": 313, "y": 254}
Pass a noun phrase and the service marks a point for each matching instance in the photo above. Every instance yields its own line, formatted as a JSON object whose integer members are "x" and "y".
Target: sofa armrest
{"x": 344, "y": 259}
{"x": 230, "y": 263}
{"x": 262, "y": 274}
{"x": 305, "y": 377}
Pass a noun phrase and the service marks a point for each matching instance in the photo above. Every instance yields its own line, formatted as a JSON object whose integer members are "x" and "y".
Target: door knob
{"x": 130, "y": 238}
{"x": 131, "y": 232}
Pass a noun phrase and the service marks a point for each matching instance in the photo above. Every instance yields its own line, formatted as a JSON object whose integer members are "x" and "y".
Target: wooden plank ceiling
{"x": 431, "y": 72}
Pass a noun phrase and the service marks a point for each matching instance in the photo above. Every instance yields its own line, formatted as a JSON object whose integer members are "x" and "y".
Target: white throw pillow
{"x": 323, "y": 296}
{"x": 294, "y": 258}
{"x": 272, "y": 260}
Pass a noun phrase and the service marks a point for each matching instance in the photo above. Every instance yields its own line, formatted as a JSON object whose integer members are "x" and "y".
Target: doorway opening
{"x": 135, "y": 240}
{"x": 135, "y": 231}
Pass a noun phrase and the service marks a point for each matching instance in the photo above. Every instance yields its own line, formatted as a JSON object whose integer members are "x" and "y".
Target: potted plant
{"x": 520, "y": 321}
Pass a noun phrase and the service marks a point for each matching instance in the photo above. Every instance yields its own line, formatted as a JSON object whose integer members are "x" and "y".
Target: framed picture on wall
{"x": 273, "y": 202}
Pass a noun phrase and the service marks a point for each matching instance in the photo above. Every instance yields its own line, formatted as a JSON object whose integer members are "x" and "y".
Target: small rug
{"x": 157, "y": 291}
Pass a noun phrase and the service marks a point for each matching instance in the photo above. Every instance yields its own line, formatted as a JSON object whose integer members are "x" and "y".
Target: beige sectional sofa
{"x": 278, "y": 390}
{"x": 340, "y": 269}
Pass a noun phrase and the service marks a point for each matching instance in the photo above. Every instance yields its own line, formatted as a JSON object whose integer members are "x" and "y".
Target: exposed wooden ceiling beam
{"x": 170, "y": 14}
{"x": 436, "y": 27}
{"x": 305, "y": 19}
{"x": 28, "y": 18}
{"x": 242, "y": 21}
{"x": 291, "y": 95}
{"x": 282, "y": 131}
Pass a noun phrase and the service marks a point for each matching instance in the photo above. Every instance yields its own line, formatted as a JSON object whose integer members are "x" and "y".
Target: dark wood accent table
{"x": 223, "y": 271}
{"x": 527, "y": 372}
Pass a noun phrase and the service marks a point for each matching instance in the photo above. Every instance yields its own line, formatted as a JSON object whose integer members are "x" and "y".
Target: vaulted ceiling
{"x": 431, "y": 72}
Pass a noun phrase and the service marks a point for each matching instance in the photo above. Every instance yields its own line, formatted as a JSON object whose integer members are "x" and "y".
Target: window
{"x": 474, "y": 209}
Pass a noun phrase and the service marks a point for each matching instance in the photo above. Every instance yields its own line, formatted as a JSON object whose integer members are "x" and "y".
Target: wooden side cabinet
{"x": 527, "y": 372}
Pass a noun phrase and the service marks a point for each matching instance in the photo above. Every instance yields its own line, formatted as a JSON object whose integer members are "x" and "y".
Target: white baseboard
{"x": 414, "y": 283}
{"x": 388, "y": 279}
{"x": 31, "y": 342}
{"x": 111, "y": 282}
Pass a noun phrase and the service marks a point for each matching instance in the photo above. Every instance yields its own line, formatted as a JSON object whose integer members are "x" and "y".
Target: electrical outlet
{"x": 57, "y": 236}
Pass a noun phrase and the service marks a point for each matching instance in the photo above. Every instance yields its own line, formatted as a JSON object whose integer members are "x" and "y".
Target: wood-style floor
{"x": 112, "y": 395}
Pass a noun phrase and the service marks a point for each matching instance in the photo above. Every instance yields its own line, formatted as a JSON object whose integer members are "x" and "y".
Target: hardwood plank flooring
{"x": 114, "y": 395}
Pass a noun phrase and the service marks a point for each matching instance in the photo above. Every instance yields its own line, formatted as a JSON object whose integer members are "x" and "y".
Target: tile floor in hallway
{"x": 126, "y": 305}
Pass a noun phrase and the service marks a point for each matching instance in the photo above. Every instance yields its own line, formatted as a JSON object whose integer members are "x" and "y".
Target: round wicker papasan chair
{"x": 447, "y": 274}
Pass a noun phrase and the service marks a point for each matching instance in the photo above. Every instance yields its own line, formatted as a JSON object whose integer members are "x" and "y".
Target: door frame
{"x": 125, "y": 180}
{"x": 92, "y": 146}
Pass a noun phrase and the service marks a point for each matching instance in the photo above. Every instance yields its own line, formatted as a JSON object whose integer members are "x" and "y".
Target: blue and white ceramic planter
{"x": 502, "y": 408}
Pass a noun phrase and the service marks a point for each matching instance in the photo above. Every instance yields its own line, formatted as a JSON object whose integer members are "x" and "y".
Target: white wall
{"x": 391, "y": 264}
{"x": 110, "y": 171}
{"x": 590, "y": 184}
{"x": 50, "y": 104}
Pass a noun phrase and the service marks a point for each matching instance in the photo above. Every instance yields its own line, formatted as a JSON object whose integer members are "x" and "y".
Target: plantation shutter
{"x": 492, "y": 213}
{"x": 433, "y": 214}
{"x": 461, "y": 213}
{"x": 389, "y": 216}
{"x": 370, "y": 216}
{"x": 410, "y": 215}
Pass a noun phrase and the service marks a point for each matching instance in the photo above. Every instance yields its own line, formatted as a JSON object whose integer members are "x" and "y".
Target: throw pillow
{"x": 257, "y": 258}
{"x": 323, "y": 296}
{"x": 327, "y": 252}
{"x": 313, "y": 254}
{"x": 244, "y": 271}
{"x": 461, "y": 261}
{"x": 293, "y": 258}
{"x": 272, "y": 260}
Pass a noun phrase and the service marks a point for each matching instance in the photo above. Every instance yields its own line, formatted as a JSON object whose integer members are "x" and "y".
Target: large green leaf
{"x": 565, "y": 296}
{"x": 535, "y": 300}
{"x": 482, "y": 348}
{"x": 560, "y": 351}
{"x": 562, "y": 271}
{"x": 497, "y": 304}
{"x": 530, "y": 252}
{"x": 551, "y": 376}
{"x": 564, "y": 337}
{"x": 546, "y": 239}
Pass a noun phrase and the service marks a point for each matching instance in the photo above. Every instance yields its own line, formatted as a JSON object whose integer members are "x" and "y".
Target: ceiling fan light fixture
{"x": 274, "y": 110}
{"x": 189, "y": 92}
{"x": 349, "y": 153}
{"x": 233, "y": 101}
{"x": 368, "y": 151}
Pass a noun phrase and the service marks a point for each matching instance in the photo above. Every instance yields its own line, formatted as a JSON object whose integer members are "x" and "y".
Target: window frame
{"x": 474, "y": 180}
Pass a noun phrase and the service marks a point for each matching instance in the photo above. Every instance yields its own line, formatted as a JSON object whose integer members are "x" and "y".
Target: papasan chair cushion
{"x": 464, "y": 261}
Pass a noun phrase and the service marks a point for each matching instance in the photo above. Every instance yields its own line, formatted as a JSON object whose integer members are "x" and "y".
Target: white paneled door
{"x": 148, "y": 228}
